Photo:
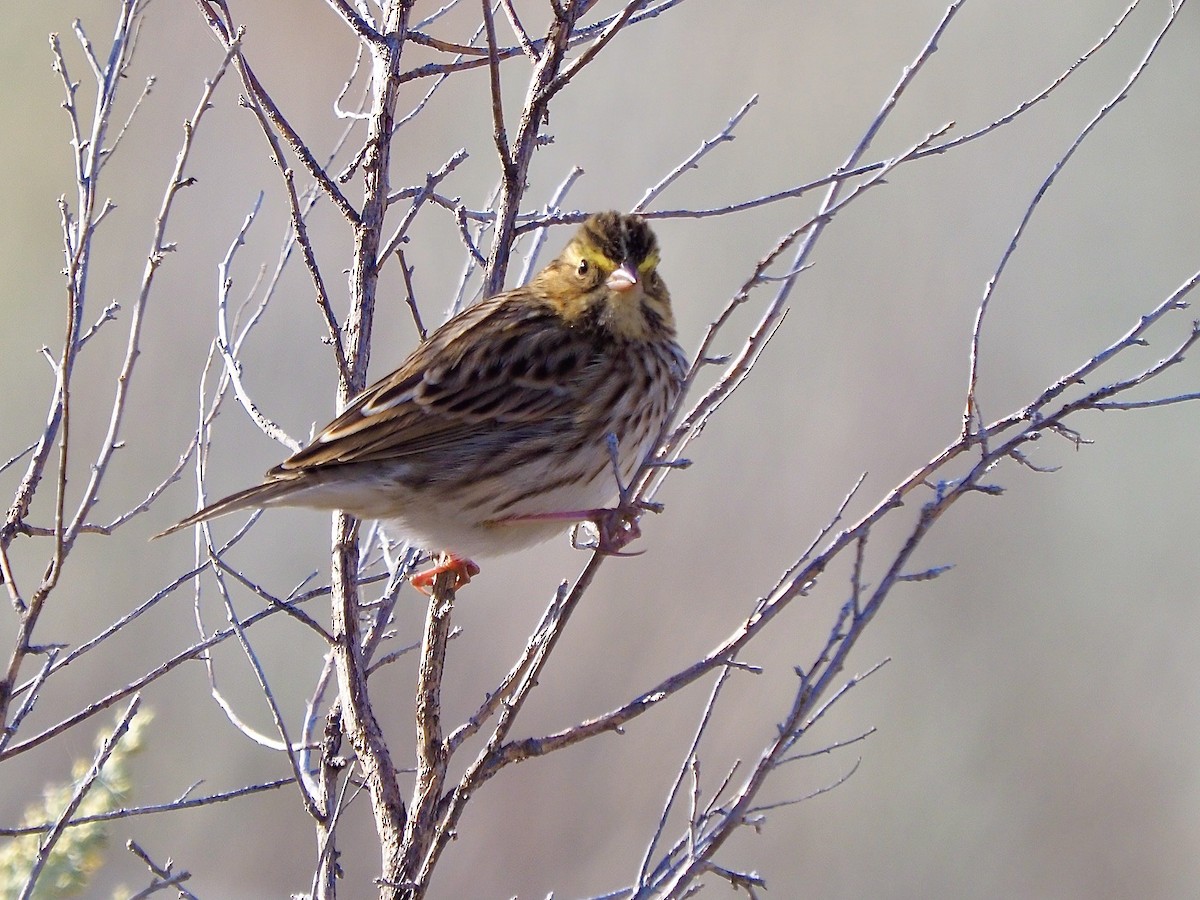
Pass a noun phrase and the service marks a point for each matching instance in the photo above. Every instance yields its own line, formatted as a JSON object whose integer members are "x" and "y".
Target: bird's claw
{"x": 616, "y": 528}
{"x": 463, "y": 570}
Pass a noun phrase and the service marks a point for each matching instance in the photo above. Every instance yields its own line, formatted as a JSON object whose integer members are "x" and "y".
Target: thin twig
{"x": 184, "y": 802}
{"x": 692, "y": 162}
{"x": 216, "y": 13}
{"x": 972, "y": 417}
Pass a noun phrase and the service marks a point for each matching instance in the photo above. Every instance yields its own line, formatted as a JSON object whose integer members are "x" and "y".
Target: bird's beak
{"x": 623, "y": 278}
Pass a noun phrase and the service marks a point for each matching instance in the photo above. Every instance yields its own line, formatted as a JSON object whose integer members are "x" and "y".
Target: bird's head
{"x": 607, "y": 277}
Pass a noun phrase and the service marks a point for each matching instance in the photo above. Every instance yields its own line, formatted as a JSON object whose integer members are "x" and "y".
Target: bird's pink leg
{"x": 617, "y": 527}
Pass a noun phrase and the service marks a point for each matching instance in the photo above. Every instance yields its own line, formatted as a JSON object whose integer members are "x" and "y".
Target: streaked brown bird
{"x": 494, "y": 434}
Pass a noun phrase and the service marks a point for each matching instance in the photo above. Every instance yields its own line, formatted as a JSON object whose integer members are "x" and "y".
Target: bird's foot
{"x": 463, "y": 569}
{"x": 615, "y": 528}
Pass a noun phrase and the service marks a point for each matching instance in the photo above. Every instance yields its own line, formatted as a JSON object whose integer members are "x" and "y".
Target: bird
{"x": 522, "y": 414}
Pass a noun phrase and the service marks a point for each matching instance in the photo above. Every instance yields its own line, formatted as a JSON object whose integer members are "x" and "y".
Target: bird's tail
{"x": 267, "y": 494}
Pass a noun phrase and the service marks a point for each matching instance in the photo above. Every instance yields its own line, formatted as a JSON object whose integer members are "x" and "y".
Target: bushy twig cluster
{"x": 339, "y": 748}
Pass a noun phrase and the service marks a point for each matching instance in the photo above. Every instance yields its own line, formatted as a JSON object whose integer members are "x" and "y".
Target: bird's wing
{"x": 501, "y": 363}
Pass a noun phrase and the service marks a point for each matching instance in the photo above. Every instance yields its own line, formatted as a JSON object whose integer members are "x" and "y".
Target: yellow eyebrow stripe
{"x": 598, "y": 259}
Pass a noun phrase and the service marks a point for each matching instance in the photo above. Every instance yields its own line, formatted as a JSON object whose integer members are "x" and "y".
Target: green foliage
{"x": 79, "y": 853}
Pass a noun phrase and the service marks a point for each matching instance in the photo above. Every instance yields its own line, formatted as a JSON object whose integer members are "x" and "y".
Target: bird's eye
{"x": 583, "y": 267}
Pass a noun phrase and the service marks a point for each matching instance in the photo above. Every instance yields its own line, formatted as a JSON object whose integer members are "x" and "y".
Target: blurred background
{"x": 1038, "y": 721}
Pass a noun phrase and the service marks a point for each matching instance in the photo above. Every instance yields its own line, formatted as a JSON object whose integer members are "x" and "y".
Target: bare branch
{"x": 420, "y": 197}
{"x": 692, "y": 162}
{"x": 972, "y": 417}
{"x": 409, "y": 295}
{"x": 363, "y": 28}
{"x": 77, "y": 240}
{"x": 610, "y": 31}
{"x": 158, "y": 248}
{"x": 216, "y": 13}
{"x": 518, "y": 30}
{"x": 432, "y": 749}
{"x": 307, "y": 789}
{"x": 164, "y": 877}
{"x": 551, "y": 208}
{"x": 690, "y": 764}
{"x": 499, "y": 134}
{"x": 183, "y": 802}
{"x": 233, "y": 369}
